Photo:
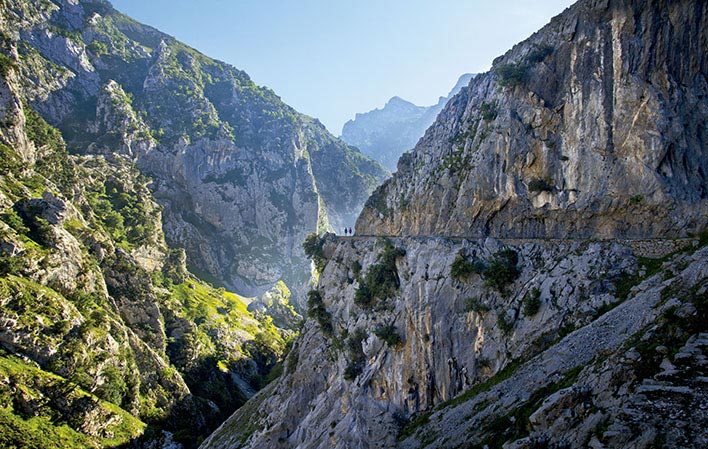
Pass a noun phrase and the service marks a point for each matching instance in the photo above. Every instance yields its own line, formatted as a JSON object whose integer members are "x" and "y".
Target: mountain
{"x": 384, "y": 134}
{"x": 106, "y": 339}
{"x": 536, "y": 273}
{"x": 140, "y": 181}
{"x": 242, "y": 177}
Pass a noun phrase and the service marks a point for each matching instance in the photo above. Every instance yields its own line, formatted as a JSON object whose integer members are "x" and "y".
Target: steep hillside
{"x": 595, "y": 126}
{"x": 105, "y": 337}
{"x": 241, "y": 176}
{"x": 588, "y": 141}
{"x": 384, "y": 134}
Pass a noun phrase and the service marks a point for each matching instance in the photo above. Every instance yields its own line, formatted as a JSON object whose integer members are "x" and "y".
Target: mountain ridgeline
{"x": 241, "y": 176}
{"x": 140, "y": 181}
{"x": 535, "y": 275}
{"x": 384, "y": 134}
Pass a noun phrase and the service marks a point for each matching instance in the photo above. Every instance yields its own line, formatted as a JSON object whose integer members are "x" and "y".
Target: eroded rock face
{"x": 242, "y": 177}
{"x": 592, "y": 129}
{"x": 454, "y": 334}
{"x": 594, "y": 126}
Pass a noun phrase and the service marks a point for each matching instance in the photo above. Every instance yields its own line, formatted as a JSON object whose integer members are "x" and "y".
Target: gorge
{"x": 534, "y": 275}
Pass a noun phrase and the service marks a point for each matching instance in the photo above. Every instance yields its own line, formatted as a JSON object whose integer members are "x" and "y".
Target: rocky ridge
{"x": 384, "y": 134}
{"x": 242, "y": 177}
{"x": 593, "y": 127}
{"x": 530, "y": 285}
{"x": 105, "y": 338}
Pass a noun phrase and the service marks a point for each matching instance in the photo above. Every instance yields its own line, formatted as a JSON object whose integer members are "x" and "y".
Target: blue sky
{"x": 333, "y": 58}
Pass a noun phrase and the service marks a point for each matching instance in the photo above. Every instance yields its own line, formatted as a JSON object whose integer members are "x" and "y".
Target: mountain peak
{"x": 384, "y": 134}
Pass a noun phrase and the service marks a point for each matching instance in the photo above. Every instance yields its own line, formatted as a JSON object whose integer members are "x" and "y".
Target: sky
{"x": 333, "y": 58}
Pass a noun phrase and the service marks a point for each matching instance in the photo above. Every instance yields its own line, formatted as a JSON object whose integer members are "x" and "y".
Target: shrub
{"x": 6, "y": 63}
{"x": 381, "y": 280}
{"x": 532, "y": 302}
{"x": 317, "y": 310}
{"x": 98, "y": 48}
{"x": 504, "y": 325}
{"x": 13, "y": 220}
{"x": 475, "y": 305}
{"x": 355, "y": 354}
{"x": 356, "y": 268}
{"x": 10, "y": 265}
{"x": 540, "y": 185}
{"x": 636, "y": 200}
{"x": 488, "y": 110}
{"x": 313, "y": 245}
{"x": 389, "y": 334}
{"x": 538, "y": 54}
{"x": 502, "y": 270}
{"x": 461, "y": 267}
{"x": 512, "y": 74}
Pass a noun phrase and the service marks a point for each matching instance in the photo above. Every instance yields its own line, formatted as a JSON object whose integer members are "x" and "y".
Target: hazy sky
{"x": 333, "y": 58}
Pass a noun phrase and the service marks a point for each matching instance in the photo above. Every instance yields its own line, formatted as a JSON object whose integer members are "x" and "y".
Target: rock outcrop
{"x": 384, "y": 134}
{"x": 593, "y": 127}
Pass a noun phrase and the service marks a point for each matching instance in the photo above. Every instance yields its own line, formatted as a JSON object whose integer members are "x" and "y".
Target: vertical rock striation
{"x": 594, "y": 126}
{"x": 528, "y": 287}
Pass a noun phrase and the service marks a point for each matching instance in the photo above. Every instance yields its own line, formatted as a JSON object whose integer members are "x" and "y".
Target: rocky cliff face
{"x": 242, "y": 177}
{"x": 456, "y": 361}
{"x": 444, "y": 337}
{"x": 384, "y": 134}
{"x": 105, "y": 339}
{"x": 594, "y": 126}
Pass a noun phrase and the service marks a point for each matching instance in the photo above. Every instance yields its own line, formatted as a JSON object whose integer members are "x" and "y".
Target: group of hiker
{"x": 348, "y": 231}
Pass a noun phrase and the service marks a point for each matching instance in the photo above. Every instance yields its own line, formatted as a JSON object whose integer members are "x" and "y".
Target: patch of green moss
{"x": 58, "y": 425}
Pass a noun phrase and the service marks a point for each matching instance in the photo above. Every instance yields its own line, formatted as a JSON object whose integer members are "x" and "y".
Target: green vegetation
{"x": 53, "y": 161}
{"x": 636, "y": 200}
{"x": 461, "y": 267}
{"x": 541, "y": 185}
{"x": 317, "y": 310}
{"x": 517, "y": 73}
{"x": 489, "y": 111}
{"x": 313, "y": 245}
{"x": 381, "y": 281}
{"x": 502, "y": 270}
{"x": 423, "y": 418}
{"x": 389, "y": 334}
{"x": 504, "y": 324}
{"x": 512, "y": 74}
{"x": 355, "y": 353}
{"x": 356, "y": 269}
{"x": 497, "y": 273}
{"x": 51, "y": 411}
{"x": 98, "y": 48}
{"x": 532, "y": 302}
{"x": 6, "y": 64}
{"x": 514, "y": 425}
{"x": 538, "y": 54}
{"x": 475, "y": 305}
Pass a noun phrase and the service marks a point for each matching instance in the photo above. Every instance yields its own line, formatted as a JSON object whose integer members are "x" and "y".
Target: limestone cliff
{"x": 594, "y": 126}
{"x": 474, "y": 320}
{"x": 242, "y": 177}
{"x": 105, "y": 339}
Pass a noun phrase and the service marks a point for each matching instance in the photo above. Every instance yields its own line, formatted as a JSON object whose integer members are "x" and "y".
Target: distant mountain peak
{"x": 384, "y": 134}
